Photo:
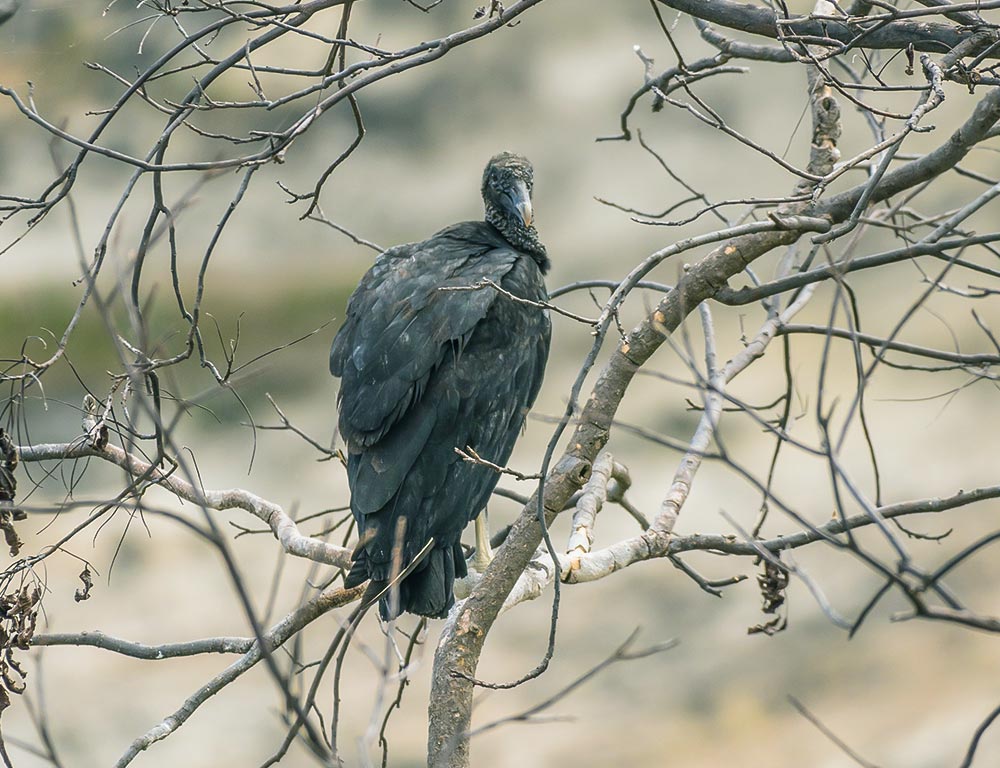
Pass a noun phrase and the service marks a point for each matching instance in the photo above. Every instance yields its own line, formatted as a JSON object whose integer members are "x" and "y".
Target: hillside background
{"x": 903, "y": 694}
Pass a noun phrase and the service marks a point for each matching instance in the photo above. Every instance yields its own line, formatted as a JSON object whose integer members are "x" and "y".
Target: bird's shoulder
{"x": 472, "y": 235}
{"x": 470, "y": 250}
{"x": 406, "y": 291}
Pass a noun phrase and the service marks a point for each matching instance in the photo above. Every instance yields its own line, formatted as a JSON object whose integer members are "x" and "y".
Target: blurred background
{"x": 900, "y": 693}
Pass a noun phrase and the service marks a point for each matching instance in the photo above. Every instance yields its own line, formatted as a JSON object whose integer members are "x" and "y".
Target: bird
{"x": 425, "y": 370}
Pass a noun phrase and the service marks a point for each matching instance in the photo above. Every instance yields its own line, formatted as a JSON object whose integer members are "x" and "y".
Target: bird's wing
{"x": 400, "y": 325}
{"x": 477, "y": 398}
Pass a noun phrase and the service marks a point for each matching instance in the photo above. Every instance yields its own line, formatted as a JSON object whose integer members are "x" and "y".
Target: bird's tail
{"x": 429, "y": 590}
{"x": 426, "y": 587}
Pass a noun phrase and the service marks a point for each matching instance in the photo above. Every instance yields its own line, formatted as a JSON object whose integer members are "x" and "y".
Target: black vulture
{"x": 425, "y": 371}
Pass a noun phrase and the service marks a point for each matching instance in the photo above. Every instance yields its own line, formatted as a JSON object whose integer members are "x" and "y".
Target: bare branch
{"x": 284, "y": 528}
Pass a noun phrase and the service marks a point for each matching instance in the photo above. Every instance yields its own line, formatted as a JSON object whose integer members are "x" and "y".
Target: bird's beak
{"x": 519, "y": 203}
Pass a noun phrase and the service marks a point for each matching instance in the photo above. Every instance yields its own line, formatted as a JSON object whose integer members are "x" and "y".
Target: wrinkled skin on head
{"x": 508, "y": 182}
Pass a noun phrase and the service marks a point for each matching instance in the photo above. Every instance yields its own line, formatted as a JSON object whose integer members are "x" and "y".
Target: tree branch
{"x": 275, "y": 637}
{"x": 284, "y": 528}
{"x": 848, "y": 33}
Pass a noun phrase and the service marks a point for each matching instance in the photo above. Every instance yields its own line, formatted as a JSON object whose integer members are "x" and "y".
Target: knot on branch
{"x": 826, "y": 120}
{"x": 825, "y": 113}
{"x": 575, "y": 469}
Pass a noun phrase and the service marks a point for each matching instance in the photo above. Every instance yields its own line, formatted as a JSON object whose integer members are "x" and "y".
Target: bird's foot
{"x": 484, "y": 552}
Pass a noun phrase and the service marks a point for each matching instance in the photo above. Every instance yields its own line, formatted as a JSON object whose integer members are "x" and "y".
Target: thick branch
{"x": 462, "y": 640}
{"x": 579, "y": 568}
{"x": 750, "y": 294}
{"x": 595, "y": 493}
{"x": 284, "y": 528}
{"x": 757, "y": 20}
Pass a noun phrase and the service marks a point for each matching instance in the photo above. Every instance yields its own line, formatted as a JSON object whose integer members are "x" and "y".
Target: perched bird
{"x": 425, "y": 371}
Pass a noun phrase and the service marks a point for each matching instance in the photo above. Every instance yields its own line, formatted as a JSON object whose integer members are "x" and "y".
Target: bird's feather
{"x": 400, "y": 326}
{"x": 425, "y": 371}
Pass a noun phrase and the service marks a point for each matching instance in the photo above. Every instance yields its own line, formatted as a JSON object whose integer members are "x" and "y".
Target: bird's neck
{"x": 521, "y": 237}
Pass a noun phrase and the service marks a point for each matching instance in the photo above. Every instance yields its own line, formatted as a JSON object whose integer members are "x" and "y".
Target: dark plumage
{"x": 425, "y": 371}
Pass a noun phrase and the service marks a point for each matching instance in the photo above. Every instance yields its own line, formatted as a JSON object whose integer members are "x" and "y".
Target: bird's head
{"x": 507, "y": 185}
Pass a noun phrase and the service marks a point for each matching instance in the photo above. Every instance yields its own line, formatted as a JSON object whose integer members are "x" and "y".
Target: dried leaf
{"x": 8, "y": 463}
{"x": 769, "y": 628}
{"x": 8, "y": 490}
{"x": 18, "y": 617}
{"x": 773, "y": 582}
{"x": 9, "y": 534}
{"x": 88, "y": 582}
